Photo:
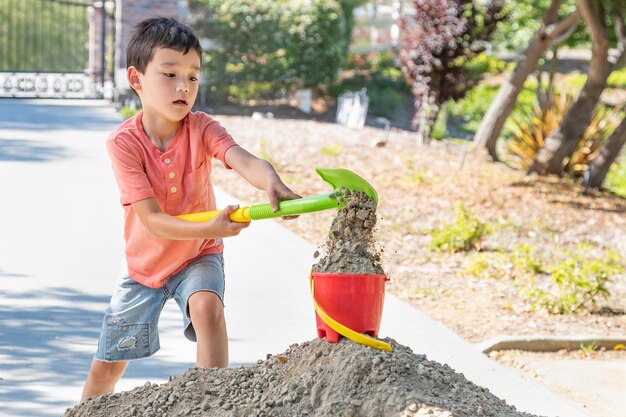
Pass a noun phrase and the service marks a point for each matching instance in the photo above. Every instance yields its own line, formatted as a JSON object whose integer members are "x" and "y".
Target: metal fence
{"x": 45, "y": 48}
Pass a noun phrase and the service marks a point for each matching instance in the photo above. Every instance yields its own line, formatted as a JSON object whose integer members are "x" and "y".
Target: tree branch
{"x": 593, "y": 19}
{"x": 620, "y": 28}
{"x": 620, "y": 31}
{"x": 558, "y": 32}
{"x": 552, "y": 13}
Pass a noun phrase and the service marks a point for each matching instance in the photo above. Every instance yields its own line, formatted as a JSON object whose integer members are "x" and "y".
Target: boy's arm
{"x": 170, "y": 227}
{"x": 260, "y": 174}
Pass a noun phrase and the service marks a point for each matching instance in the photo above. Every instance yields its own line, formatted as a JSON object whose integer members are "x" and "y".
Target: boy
{"x": 162, "y": 163}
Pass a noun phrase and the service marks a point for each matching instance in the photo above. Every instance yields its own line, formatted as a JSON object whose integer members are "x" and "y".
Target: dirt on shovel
{"x": 350, "y": 247}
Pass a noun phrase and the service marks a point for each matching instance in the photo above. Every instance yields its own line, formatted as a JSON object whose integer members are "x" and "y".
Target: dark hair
{"x": 159, "y": 32}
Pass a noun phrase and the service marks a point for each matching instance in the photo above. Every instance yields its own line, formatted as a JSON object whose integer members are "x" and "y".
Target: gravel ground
{"x": 313, "y": 378}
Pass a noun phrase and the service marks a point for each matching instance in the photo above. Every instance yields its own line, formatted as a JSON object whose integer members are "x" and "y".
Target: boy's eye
{"x": 169, "y": 74}
{"x": 193, "y": 79}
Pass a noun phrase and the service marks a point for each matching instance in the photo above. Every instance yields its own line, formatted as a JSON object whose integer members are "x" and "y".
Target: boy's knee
{"x": 106, "y": 371}
{"x": 206, "y": 306}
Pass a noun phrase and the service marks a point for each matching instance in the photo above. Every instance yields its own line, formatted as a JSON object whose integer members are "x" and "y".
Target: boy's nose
{"x": 182, "y": 86}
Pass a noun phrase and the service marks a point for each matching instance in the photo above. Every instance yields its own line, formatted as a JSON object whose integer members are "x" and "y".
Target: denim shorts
{"x": 130, "y": 326}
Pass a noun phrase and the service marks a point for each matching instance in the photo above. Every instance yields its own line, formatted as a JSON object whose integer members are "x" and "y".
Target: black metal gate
{"x": 55, "y": 48}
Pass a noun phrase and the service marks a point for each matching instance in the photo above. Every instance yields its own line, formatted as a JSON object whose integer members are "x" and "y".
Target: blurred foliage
{"x": 470, "y": 110}
{"x": 616, "y": 178}
{"x": 576, "y": 281}
{"x": 439, "y": 39}
{"x": 565, "y": 281}
{"x": 127, "y": 112}
{"x": 464, "y": 234}
{"x": 485, "y": 63}
{"x": 520, "y": 262}
{"x": 525, "y": 18}
{"x": 617, "y": 79}
{"x": 379, "y": 75}
{"x": 284, "y": 44}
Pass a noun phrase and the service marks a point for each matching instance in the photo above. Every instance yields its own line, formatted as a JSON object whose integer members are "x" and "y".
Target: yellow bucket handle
{"x": 346, "y": 331}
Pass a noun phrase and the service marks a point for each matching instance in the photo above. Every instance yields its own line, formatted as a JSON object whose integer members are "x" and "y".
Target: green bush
{"x": 249, "y": 90}
{"x": 373, "y": 61}
{"x": 617, "y": 79}
{"x": 126, "y": 112}
{"x": 384, "y": 102}
{"x": 470, "y": 110}
{"x": 576, "y": 281}
{"x": 616, "y": 178}
{"x": 464, "y": 234}
{"x": 282, "y": 43}
{"x": 521, "y": 262}
{"x": 484, "y": 63}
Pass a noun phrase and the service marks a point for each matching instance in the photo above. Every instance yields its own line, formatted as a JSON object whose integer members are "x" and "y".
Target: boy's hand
{"x": 278, "y": 191}
{"x": 223, "y": 226}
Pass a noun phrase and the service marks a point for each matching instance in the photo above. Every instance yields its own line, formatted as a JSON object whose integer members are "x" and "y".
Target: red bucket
{"x": 354, "y": 300}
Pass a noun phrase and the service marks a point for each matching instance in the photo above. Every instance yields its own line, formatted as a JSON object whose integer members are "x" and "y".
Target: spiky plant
{"x": 530, "y": 131}
{"x": 603, "y": 123}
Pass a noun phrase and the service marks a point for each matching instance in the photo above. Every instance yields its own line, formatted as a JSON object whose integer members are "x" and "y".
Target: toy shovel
{"x": 339, "y": 179}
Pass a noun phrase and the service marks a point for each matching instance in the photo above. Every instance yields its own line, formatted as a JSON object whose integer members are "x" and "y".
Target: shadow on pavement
{"x": 19, "y": 115}
{"x": 47, "y": 340}
{"x": 29, "y": 151}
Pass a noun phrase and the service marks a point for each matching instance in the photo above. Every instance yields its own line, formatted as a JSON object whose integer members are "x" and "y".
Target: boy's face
{"x": 169, "y": 85}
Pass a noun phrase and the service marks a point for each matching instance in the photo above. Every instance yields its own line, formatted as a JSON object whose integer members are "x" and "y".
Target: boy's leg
{"x": 129, "y": 331}
{"x": 207, "y": 317}
{"x": 102, "y": 378}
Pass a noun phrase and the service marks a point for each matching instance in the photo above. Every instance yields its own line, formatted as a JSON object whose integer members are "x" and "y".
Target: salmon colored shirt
{"x": 180, "y": 181}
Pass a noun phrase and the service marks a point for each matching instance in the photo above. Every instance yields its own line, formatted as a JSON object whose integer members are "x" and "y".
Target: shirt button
{"x": 172, "y": 175}
{"x": 167, "y": 160}
{"x": 173, "y": 189}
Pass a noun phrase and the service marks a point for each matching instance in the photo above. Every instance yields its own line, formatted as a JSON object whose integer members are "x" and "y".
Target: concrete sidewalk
{"x": 60, "y": 246}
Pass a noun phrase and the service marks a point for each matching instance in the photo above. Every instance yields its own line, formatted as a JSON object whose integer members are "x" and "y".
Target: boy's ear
{"x": 134, "y": 81}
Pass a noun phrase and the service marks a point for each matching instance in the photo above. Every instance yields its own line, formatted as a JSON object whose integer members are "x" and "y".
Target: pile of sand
{"x": 311, "y": 379}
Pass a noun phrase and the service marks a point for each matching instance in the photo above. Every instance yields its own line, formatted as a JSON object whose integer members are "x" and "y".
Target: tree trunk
{"x": 562, "y": 142}
{"x": 492, "y": 123}
{"x": 599, "y": 167}
{"x": 427, "y": 116}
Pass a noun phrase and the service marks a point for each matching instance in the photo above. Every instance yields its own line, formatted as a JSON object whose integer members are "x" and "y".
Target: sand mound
{"x": 310, "y": 379}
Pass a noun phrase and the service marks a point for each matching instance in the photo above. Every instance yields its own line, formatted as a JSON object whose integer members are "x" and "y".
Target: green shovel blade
{"x": 342, "y": 178}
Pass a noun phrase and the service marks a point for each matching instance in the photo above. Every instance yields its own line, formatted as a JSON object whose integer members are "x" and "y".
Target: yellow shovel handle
{"x": 240, "y": 215}
{"x": 346, "y": 331}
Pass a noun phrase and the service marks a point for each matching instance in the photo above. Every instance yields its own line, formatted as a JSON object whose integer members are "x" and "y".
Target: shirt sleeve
{"x": 129, "y": 172}
{"x": 216, "y": 139}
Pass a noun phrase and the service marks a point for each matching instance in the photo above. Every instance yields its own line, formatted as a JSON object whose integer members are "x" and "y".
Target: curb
{"x": 540, "y": 343}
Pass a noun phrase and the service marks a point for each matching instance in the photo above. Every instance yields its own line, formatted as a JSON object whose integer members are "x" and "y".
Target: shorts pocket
{"x": 128, "y": 341}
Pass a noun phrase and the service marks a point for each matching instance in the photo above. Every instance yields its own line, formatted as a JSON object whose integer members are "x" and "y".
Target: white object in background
{"x": 305, "y": 97}
{"x": 352, "y": 109}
